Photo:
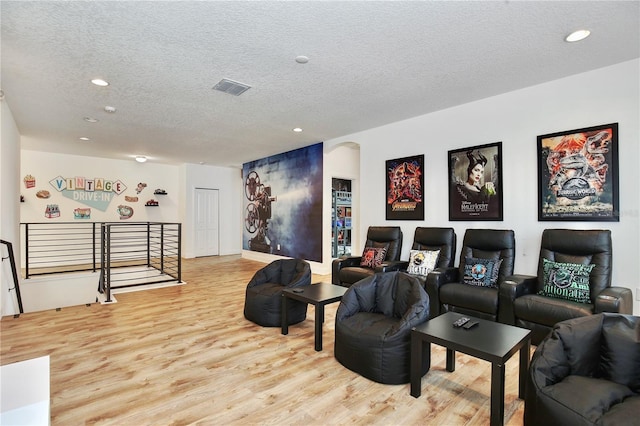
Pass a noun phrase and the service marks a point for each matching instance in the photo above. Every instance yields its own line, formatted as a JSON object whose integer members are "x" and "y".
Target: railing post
{"x": 162, "y": 248}
{"x": 108, "y": 263}
{"x": 179, "y": 252}
{"x": 101, "y": 284}
{"x": 26, "y": 248}
{"x": 93, "y": 233}
{"x": 148, "y": 244}
{"x": 14, "y": 273}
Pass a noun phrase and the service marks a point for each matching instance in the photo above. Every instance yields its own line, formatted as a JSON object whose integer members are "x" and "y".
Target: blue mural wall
{"x": 283, "y": 204}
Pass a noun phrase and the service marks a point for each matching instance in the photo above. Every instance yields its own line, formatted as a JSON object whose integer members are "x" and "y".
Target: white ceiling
{"x": 370, "y": 63}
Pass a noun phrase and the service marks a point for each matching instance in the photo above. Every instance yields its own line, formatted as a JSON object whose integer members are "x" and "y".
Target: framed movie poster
{"x": 405, "y": 188}
{"x": 475, "y": 183}
{"x": 578, "y": 175}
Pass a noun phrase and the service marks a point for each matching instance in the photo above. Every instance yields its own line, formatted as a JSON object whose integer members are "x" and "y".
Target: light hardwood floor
{"x": 186, "y": 355}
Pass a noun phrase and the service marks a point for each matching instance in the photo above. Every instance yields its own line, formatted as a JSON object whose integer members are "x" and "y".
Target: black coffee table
{"x": 490, "y": 341}
{"x": 319, "y": 295}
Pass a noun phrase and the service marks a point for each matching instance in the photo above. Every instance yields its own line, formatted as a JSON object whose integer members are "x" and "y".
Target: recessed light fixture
{"x": 577, "y": 36}
{"x": 100, "y": 82}
{"x": 141, "y": 158}
{"x": 84, "y": 138}
{"x": 110, "y": 109}
{"x": 297, "y": 130}
{"x": 91, "y": 120}
{"x": 302, "y": 59}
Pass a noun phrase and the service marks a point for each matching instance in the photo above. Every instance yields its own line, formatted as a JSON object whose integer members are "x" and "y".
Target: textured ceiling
{"x": 370, "y": 63}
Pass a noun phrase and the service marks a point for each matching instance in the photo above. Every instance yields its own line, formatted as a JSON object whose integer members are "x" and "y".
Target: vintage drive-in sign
{"x": 96, "y": 192}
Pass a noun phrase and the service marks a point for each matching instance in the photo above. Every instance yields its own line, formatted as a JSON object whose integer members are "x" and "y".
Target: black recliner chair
{"x": 348, "y": 269}
{"x": 486, "y": 259}
{"x": 373, "y": 326}
{"x": 586, "y": 372}
{"x": 263, "y": 299}
{"x": 524, "y": 306}
{"x": 431, "y": 239}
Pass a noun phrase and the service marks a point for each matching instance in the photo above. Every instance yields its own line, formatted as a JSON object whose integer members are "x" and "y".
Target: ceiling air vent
{"x": 231, "y": 87}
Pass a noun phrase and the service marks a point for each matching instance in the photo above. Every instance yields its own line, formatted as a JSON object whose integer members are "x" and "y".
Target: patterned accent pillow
{"x": 421, "y": 262}
{"x": 481, "y": 272}
{"x": 568, "y": 281}
{"x": 373, "y": 257}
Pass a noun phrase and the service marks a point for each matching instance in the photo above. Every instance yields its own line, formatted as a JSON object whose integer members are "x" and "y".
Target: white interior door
{"x": 206, "y": 222}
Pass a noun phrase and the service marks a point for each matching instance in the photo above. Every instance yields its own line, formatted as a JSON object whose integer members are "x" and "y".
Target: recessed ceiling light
{"x": 100, "y": 82}
{"x": 84, "y": 138}
{"x": 577, "y": 36}
{"x": 297, "y": 130}
{"x": 110, "y": 109}
{"x": 302, "y": 59}
{"x": 141, "y": 158}
{"x": 91, "y": 120}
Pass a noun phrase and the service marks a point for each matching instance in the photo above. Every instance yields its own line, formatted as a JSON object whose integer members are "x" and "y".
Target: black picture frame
{"x": 405, "y": 188}
{"x": 479, "y": 199}
{"x": 578, "y": 175}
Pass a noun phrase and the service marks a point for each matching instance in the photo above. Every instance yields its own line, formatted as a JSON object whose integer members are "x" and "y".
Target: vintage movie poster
{"x": 578, "y": 174}
{"x": 405, "y": 188}
{"x": 475, "y": 183}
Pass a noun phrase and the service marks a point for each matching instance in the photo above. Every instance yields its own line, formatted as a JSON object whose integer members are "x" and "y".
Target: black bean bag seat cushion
{"x": 373, "y": 326}
{"x": 263, "y": 297}
{"x": 586, "y": 372}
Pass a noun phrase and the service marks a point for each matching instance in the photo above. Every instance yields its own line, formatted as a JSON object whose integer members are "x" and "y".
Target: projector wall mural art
{"x": 283, "y": 204}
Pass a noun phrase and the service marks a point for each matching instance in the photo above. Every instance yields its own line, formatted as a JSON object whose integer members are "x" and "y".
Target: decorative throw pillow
{"x": 568, "y": 281}
{"x": 373, "y": 257}
{"x": 481, "y": 272}
{"x": 421, "y": 262}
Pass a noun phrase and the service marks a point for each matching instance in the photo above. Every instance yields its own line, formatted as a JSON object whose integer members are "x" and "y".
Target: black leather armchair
{"x": 447, "y": 289}
{"x": 263, "y": 298}
{"x": 373, "y": 326}
{"x": 524, "y": 307}
{"x": 432, "y": 238}
{"x": 586, "y": 372}
{"x": 347, "y": 270}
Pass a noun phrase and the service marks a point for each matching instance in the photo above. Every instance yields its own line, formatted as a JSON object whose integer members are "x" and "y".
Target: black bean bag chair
{"x": 263, "y": 297}
{"x": 373, "y": 326}
{"x": 586, "y": 372}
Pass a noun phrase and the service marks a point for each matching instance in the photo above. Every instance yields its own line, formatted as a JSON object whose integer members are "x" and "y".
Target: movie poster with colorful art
{"x": 405, "y": 188}
{"x": 475, "y": 182}
{"x": 578, "y": 175}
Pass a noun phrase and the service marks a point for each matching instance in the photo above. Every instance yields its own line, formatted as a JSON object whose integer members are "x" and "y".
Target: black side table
{"x": 318, "y": 295}
{"x": 490, "y": 341}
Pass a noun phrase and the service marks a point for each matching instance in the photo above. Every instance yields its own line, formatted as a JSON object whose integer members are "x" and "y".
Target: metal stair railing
{"x": 147, "y": 252}
{"x": 14, "y": 273}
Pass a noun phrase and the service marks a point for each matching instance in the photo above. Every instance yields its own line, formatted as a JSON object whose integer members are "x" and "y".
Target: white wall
{"x": 45, "y": 166}
{"x": 228, "y": 181}
{"x": 9, "y": 210}
{"x": 177, "y": 206}
{"x": 603, "y": 96}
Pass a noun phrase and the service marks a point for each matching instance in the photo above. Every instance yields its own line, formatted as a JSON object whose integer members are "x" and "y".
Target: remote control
{"x": 470, "y": 324}
{"x": 460, "y": 322}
